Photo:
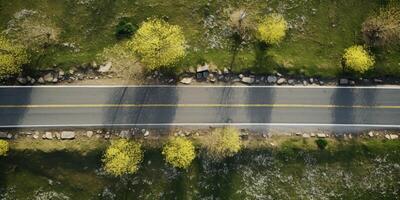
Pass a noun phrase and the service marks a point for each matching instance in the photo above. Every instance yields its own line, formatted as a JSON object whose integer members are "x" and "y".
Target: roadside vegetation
{"x": 277, "y": 167}
{"x": 299, "y": 38}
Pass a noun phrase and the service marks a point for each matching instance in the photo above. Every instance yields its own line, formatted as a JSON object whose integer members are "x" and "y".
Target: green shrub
{"x": 125, "y": 29}
{"x": 321, "y": 143}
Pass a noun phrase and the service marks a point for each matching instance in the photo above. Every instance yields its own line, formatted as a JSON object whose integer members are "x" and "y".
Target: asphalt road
{"x": 199, "y": 106}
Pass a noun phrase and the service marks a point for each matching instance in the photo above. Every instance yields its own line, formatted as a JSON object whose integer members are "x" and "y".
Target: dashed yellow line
{"x": 198, "y": 106}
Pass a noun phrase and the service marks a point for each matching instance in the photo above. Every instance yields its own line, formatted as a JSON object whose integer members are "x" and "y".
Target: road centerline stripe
{"x": 200, "y": 106}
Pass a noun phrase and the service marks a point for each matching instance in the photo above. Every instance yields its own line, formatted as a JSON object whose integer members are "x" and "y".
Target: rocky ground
{"x": 93, "y": 74}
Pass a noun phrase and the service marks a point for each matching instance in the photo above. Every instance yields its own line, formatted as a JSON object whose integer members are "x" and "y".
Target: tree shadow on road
{"x": 138, "y": 111}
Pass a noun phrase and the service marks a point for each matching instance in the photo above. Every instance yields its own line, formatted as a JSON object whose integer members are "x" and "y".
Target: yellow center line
{"x": 198, "y": 106}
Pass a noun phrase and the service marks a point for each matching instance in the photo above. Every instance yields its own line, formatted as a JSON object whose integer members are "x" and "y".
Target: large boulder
{"x": 67, "y": 135}
{"x": 343, "y": 81}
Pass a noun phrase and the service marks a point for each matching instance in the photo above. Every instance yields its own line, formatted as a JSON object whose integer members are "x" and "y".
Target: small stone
{"x": 352, "y": 83}
{"x": 226, "y": 70}
{"x": 393, "y": 136}
{"x": 71, "y": 72}
{"x": 124, "y": 134}
{"x": 187, "y": 80}
{"x": 48, "y": 77}
{"x": 312, "y": 134}
{"x": 321, "y": 135}
{"x": 107, "y": 136}
{"x": 371, "y": 134}
{"x": 57, "y": 135}
{"x": 32, "y": 81}
{"x": 305, "y": 83}
{"x": 89, "y": 134}
{"x": 105, "y": 68}
{"x": 48, "y": 135}
{"x": 387, "y": 136}
{"x": 61, "y": 73}
{"x": 241, "y": 76}
{"x": 147, "y": 133}
{"x": 9, "y": 136}
{"x": 321, "y": 83}
{"x": 247, "y": 80}
{"x": 378, "y": 81}
{"x": 291, "y": 82}
{"x": 306, "y": 135}
{"x": 281, "y": 81}
{"x": 311, "y": 80}
{"x": 22, "y": 80}
{"x": 41, "y": 80}
{"x": 55, "y": 80}
{"x": 67, "y": 135}
{"x": 271, "y": 79}
{"x": 343, "y": 81}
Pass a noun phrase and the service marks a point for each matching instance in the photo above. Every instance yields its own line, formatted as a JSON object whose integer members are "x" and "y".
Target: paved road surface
{"x": 199, "y": 106}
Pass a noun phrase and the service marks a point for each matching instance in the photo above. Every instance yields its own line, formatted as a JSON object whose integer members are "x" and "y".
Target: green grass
{"x": 314, "y": 49}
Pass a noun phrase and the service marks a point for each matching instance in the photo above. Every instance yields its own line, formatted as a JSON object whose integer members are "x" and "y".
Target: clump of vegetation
{"x": 4, "y": 147}
{"x": 383, "y": 28}
{"x": 321, "y": 143}
{"x": 123, "y": 157}
{"x": 356, "y": 58}
{"x": 272, "y": 29}
{"x": 222, "y": 143}
{"x": 179, "y": 152}
{"x": 158, "y": 43}
{"x": 12, "y": 57}
{"x": 125, "y": 29}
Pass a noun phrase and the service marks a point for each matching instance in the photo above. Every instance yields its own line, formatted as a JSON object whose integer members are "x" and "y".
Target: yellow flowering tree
{"x": 12, "y": 57}
{"x": 158, "y": 43}
{"x": 179, "y": 152}
{"x": 223, "y": 142}
{"x": 358, "y": 59}
{"x": 272, "y": 29}
{"x": 122, "y": 157}
{"x": 3, "y": 147}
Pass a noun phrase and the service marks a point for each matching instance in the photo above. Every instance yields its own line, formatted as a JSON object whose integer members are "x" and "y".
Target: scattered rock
{"x": 3, "y": 135}
{"x": 67, "y": 135}
{"x": 36, "y": 135}
{"x": 371, "y": 134}
{"x": 61, "y": 73}
{"x": 146, "y": 133}
{"x": 343, "y": 81}
{"x": 22, "y": 80}
{"x": 48, "y": 77}
{"x": 281, "y": 81}
{"x": 124, "y": 134}
{"x": 105, "y": 68}
{"x": 203, "y": 68}
{"x": 89, "y": 134}
{"x": 393, "y": 136}
{"x": 271, "y": 79}
{"x": 247, "y": 80}
{"x": 378, "y": 81}
{"x": 187, "y": 80}
{"x": 48, "y": 135}
{"x": 321, "y": 135}
{"x": 41, "y": 80}
{"x": 107, "y": 136}
{"x": 226, "y": 70}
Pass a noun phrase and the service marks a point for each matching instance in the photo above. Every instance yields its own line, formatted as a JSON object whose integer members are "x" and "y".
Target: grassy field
{"x": 320, "y": 31}
{"x": 293, "y": 168}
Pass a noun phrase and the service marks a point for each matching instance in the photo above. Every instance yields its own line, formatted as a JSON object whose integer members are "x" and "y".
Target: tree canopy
{"x": 272, "y": 29}
{"x": 223, "y": 142}
{"x": 12, "y": 57}
{"x": 122, "y": 157}
{"x": 3, "y": 147}
{"x": 158, "y": 43}
{"x": 179, "y": 152}
{"x": 358, "y": 59}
